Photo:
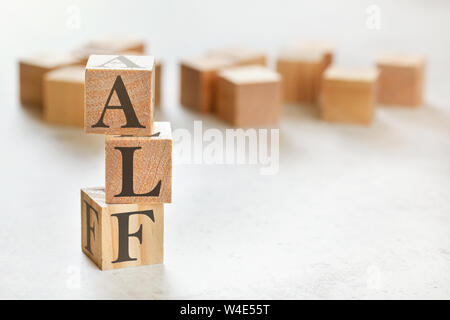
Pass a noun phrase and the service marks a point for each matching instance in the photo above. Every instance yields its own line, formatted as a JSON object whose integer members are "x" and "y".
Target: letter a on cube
{"x": 119, "y": 95}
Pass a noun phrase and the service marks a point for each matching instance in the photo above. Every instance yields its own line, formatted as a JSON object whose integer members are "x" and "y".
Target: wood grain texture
{"x": 152, "y": 164}
{"x": 103, "y": 247}
{"x": 31, "y": 75}
{"x": 401, "y": 80}
{"x": 349, "y": 96}
{"x": 249, "y": 96}
{"x": 64, "y": 96}
{"x": 158, "y": 76}
{"x": 139, "y": 84}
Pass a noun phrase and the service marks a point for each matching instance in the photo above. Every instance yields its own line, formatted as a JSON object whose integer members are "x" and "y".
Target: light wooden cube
{"x": 32, "y": 71}
{"x": 139, "y": 169}
{"x": 119, "y": 95}
{"x": 349, "y": 95}
{"x": 198, "y": 75}
{"x": 401, "y": 80}
{"x": 249, "y": 96}
{"x": 241, "y": 56}
{"x": 110, "y": 45}
{"x": 301, "y": 68}
{"x": 117, "y": 236}
{"x": 64, "y": 96}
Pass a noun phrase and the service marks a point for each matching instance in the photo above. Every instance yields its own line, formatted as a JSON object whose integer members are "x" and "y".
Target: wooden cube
{"x": 32, "y": 71}
{"x": 301, "y": 68}
{"x": 117, "y": 236}
{"x": 139, "y": 169}
{"x": 64, "y": 96}
{"x": 119, "y": 95}
{"x": 349, "y": 95}
{"x": 241, "y": 56}
{"x": 401, "y": 80}
{"x": 198, "y": 75}
{"x": 249, "y": 96}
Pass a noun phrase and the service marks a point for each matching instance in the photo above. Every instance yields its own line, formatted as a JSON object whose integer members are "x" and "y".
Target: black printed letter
{"x": 125, "y": 105}
{"x": 89, "y": 229}
{"x": 127, "y": 175}
{"x": 123, "y": 220}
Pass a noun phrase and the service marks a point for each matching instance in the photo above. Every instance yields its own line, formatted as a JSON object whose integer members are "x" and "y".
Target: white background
{"x": 354, "y": 212}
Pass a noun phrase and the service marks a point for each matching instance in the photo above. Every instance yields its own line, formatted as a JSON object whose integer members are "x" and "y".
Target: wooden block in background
{"x": 198, "y": 75}
{"x": 111, "y": 46}
{"x": 325, "y": 49}
{"x": 119, "y": 95}
{"x": 348, "y": 95}
{"x": 249, "y": 96}
{"x": 139, "y": 169}
{"x": 301, "y": 67}
{"x": 117, "y": 236}
{"x": 401, "y": 80}
{"x": 31, "y": 75}
{"x": 64, "y": 96}
{"x": 158, "y": 84}
{"x": 241, "y": 56}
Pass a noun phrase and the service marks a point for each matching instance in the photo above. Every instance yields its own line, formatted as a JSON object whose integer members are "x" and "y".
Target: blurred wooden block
{"x": 401, "y": 80}
{"x": 158, "y": 84}
{"x": 119, "y": 44}
{"x": 64, "y": 96}
{"x": 241, "y": 56}
{"x": 301, "y": 68}
{"x": 31, "y": 75}
{"x": 139, "y": 169}
{"x": 119, "y": 95}
{"x": 325, "y": 49}
{"x": 110, "y": 46}
{"x": 249, "y": 96}
{"x": 348, "y": 95}
{"x": 117, "y": 236}
{"x": 198, "y": 75}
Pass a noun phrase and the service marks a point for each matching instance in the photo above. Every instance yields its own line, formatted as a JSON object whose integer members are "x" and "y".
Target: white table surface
{"x": 354, "y": 212}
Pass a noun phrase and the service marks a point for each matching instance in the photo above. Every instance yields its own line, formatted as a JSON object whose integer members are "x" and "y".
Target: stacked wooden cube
{"x": 123, "y": 223}
{"x": 54, "y": 83}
